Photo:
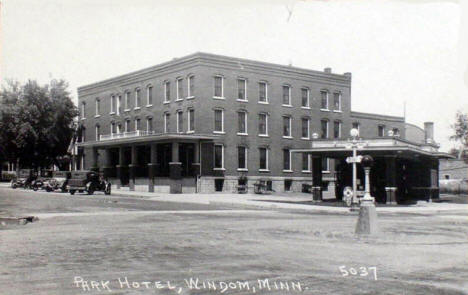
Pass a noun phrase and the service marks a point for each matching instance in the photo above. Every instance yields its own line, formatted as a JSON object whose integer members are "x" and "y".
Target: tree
{"x": 36, "y": 123}
{"x": 461, "y": 132}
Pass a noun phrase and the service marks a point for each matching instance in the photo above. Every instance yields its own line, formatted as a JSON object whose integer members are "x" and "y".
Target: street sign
{"x": 356, "y": 159}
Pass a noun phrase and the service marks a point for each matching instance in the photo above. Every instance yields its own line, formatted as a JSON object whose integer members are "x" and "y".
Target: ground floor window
{"x": 306, "y": 162}
{"x": 325, "y": 164}
{"x": 219, "y": 183}
{"x": 287, "y": 185}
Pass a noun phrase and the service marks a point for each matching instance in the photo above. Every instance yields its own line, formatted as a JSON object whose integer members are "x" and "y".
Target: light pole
{"x": 354, "y": 145}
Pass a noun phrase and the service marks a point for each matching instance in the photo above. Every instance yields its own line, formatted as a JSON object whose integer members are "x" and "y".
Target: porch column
{"x": 94, "y": 159}
{"x": 196, "y": 159}
{"x": 121, "y": 167}
{"x": 133, "y": 167}
{"x": 107, "y": 168}
{"x": 390, "y": 179}
{"x": 317, "y": 178}
{"x": 175, "y": 169}
{"x": 153, "y": 166}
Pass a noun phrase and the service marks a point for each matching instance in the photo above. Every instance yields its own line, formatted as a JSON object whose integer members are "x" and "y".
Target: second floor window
{"x": 167, "y": 120}
{"x": 218, "y": 121}
{"x": 242, "y": 122}
{"x": 242, "y": 157}
{"x": 263, "y": 124}
{"x": 113, "y": 104}
{"x": 137, "y": 98}
{"x": 262, "y": 92}
{"x": 167, "y": 91}
{"x": 98, "y": 107}
{"x": 336, "y": 129}
{"x": 149, "y": 125}
{"x": 324, "y": 129}
{"x": 137, "y": 125}
{"x": 127, "y": 125}
{"x": 324, "y": 100}
{"x": 286, "y": 160}
{"x": 113, "y": 130}
{"x": 286, "y": 95}
{"x": 381, "y": 131}
{"x": 127, "y": 100}
{"x": 119, "y": 105}
{"x": 149, "y": 95}
{"x": 191, "y": 120}
{"x": 337, "y": 101}
{"x": 180, "y": 122}
{"x": 305, "y": 97}
{"x": 263, "y": 157}
{"x": 98, "y": 133}
{"x": 83, "y": 110}
{"x": 356, "y": 125}
{"x": 180, "y": 89}
{"x": 396, "y": 132}
{"x": 287, "y": 126}
{"x": 218, "y": 86}
{"x": 241, "y": 89}
{"x": 305, "y": 128}
{"x": 191, "y": 86}
{"x": 218, "y": 156}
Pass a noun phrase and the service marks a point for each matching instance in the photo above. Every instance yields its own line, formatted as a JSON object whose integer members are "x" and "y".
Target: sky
{"x": 412, "y": 52}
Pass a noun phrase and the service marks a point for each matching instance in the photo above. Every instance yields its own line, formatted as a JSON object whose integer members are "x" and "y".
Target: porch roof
{"x": 118, "y": 139}
{"x": 374, "y": 146}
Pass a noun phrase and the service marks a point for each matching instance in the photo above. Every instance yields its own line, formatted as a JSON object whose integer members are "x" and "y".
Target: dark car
{"x": 24, "y": 178}
{"x": 59, "y": 180}
{"x": 43, "y": 177}
{"x": 88, "y": 181}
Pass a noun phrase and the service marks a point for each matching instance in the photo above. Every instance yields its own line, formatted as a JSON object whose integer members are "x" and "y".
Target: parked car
{"x": 43, "y": 177}
{"x": 88, "y": 181}
{"x": 24, "y": 179}
{"x": 59, "y": 180}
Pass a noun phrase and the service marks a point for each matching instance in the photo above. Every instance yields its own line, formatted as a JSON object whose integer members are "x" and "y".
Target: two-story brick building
{"x": 200, "y": 122}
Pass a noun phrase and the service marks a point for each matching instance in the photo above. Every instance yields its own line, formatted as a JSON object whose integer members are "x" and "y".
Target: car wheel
{"x": 48, "y": 189}
{"x": 72, "y": 192}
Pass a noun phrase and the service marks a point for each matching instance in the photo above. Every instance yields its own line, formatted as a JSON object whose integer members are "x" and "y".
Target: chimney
{"x": 429, "y": 132}
{"x": 348, "y": 74}
{"x": 327, "y": 70}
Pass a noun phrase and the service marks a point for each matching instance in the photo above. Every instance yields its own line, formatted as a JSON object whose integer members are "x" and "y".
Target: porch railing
{"x": 125, "y": 134}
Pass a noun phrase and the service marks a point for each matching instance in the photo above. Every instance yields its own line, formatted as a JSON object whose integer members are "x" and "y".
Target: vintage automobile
{"x": 59, "y": 180}
{"x": 87, "y": 181}
{"x": 43, "y": 177}
{"x": 24, "y": 179}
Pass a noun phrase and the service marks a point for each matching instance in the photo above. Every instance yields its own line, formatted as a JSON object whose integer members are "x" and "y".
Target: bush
{"x": 8, "y": 176}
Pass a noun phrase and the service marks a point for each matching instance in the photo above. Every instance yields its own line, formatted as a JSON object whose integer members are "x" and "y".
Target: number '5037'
{"x": 361, "y": 271}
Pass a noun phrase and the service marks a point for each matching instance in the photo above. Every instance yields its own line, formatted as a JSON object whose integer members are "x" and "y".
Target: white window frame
{"x": 97, "y": 131}
{"x": 289, "y": 96}
{"x": 339, "y": 129}
{"x": 127, "y": 125}
{"x": 245, "y": 90}
{"x": 149, "y": 91}
{"x": 245, "y": 122}
{"x": 167, "y": 119}
{"x": 190, "y": 113}
{"x": 290, "y": 127}
{"x": 222, "y": 157}
{"x": 267, "y": 167}
{"x": 307, "y": 107}
{"x": 383, "y": 130}
{"x": 328, "y": 129}
{"x": 266, "y": 125}
{"x": 179, "y": 83}
{"x": 127, "y": 101}
{"x": 113, "y": 102}
{"x": 167, "y": 84}
{"x": 136, "y": 124}
{"x": 246, "y": 158}
{"x": 112, "y": 128}
{"x": 222, "y": 87}
{"x": 189, "y": 90}
{"x": 309, "y": 164}
{"x": 339, "y": 110}
{"x": 148, "y": 120}
{"x": 308, "y": 128}
{"x": 137, "y": 99}
{"x": 327, "y": 109}
{"x": 119, "y": 128}
{"x": 119, "y": 103}
{"x": 266, "y": 93}
{"x": 180, "y": 129}
{"x": 222, "y": 121}
{"x": 290, "y": 161}
{"x": 328, "y": 166}
{"x": 97, "y": 102}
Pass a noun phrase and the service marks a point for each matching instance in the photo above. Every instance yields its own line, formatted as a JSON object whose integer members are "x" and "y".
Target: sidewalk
{"x": 285, "y": 201}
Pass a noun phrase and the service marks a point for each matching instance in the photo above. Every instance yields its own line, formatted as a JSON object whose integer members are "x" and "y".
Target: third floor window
{"x": 286, "y": 95}
{"x": 262, "y": 92}
{"x": 218, "y": 86}
{"x": 241, "y": 89}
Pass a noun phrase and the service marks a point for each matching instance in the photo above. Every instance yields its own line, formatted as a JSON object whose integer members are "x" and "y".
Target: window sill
{"x": 288, "y": 171}
{"x": 263, "y": 102}
{"x": 263, "y": 170}
{"x": 242, "y": 100}
{"x": 219, "y": 97}
{"x": 136, "y": 108}
{"x": 325, "y": 110}
{"x": 287, "y": 105}
{"x": 167, "y": 102}
{"x": 179, "y": 99}
{"x": 242, "y": 134}
{"x": 242, "y": 169}
{"x": 219, "y": 169}
{"x": 305, "y": 138}
{"x": 112, "y": 113}
{"x": 306, "y": 171}
{"x": 190, "y": 131}
{"x": 219, "y": 132}
{"x": 97, "y": 116}
{"x": 337, "y": 111}
{"x": 149, "y": 105}
{"x": 326, "y": 172}
{"x": 190, "y": 97}
{"x": 287, "y": 137}
{"x": 83, "y": 119}
{"x": 263, "y": 135}
{"x": 305, "y": 108}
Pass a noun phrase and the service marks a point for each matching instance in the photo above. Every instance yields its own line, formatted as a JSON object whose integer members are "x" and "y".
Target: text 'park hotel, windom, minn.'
{"x": 200, "y": 122}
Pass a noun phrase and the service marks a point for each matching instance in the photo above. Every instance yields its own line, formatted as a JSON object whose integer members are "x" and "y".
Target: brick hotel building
{"x": 200, "y": 122}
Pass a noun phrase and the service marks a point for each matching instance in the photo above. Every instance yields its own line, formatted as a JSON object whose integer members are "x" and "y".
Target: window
{"x": 180, "y": 122}
{"x": 137, "y": 98}
{"x": 98, "y": 133}
{"x": 167, "y": 120}
{"x": 263, "y": 124}
{"x": 98, "y": 107}
{"x": 119, "y": 105}
{"x": 381, "y": 131}
{"x": 218, "y": 87}
{"x": 191, "y": 86}
{"x": 396, "y": 132}
{"x": 242, "y": 122}
{"x": 119, "y": 128}
{"x": 305, "y": 128}
{"x": 127, "y": 100}
{"x": 336, "y": 129}
{"x": 219, "y": 156}
{"x": 324, "y": 101}
{"x": 167, "y": 91}
{"x": 149, "y": 95}
{"x": 191, "y": 120}
{"x": 149, "y": 125}
{"x": 262, "y": 92}
{"x": 218, "y": 121}
{"x": 241, "y": 89}
{"x": 180, "y": 89}
{"x": 324, "y": 129}
{"x": 286, "y": 95}
{"x": 83, "y": 110}
{"x": 305, "y": 97}
{"x": 113, "y": 104}
{"x": 242, "y": 157}
{"x": 306, "y": 162}
{"x": 286, "y": 160}
{"x": 127, "y": 125}
{"x": 263, "y": 158}
{"x": 325, "y": 164}
{"x": 356, "y": 125}
{"x": 137, "y": 125}
{"x": 286, "y": 126}
{"x": 113, "y": 127}
{"x": 337, "y": 101}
